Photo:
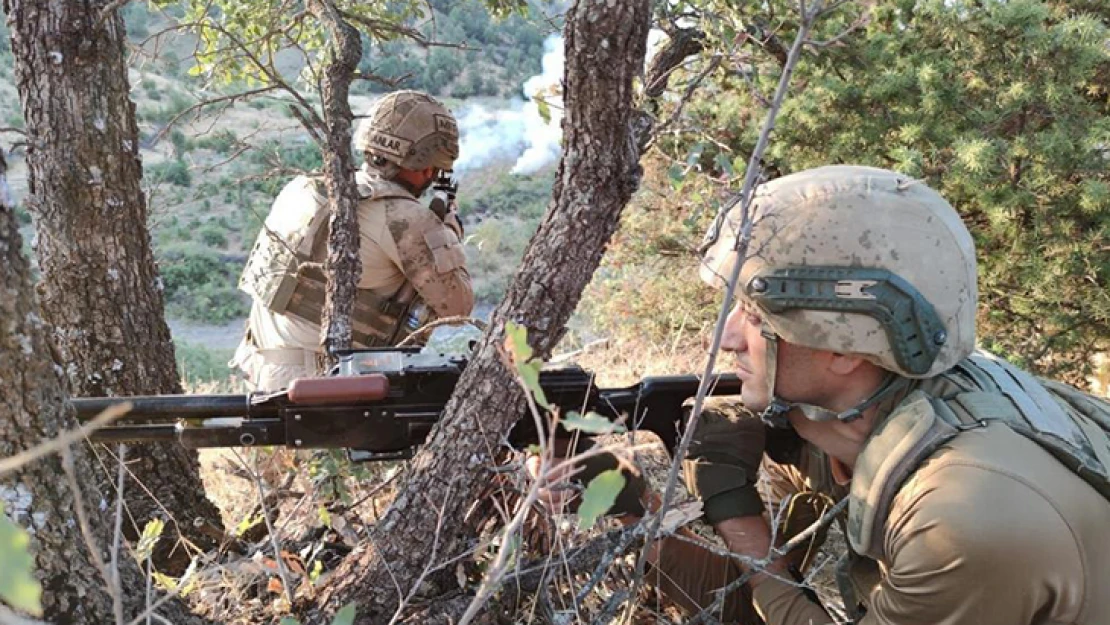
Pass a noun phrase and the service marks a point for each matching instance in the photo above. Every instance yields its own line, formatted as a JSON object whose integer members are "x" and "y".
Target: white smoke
{"x": 544, "y": 137}
{"x": 520, "y": 133}
{"x": 487, "y": 136}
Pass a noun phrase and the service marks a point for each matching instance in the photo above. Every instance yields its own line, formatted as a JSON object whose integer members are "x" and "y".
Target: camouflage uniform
{"x": 981, "y": 495}
{"x": 413, "y": 263}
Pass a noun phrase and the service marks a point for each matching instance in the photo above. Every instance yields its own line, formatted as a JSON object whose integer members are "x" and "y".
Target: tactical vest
{"x": 1071, "y": 425}
{"x": 285, "y": 273}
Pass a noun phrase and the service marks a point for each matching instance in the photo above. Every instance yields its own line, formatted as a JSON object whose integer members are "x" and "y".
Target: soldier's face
{"x": 742, "y": 337}
{"x": 800, "y": 375}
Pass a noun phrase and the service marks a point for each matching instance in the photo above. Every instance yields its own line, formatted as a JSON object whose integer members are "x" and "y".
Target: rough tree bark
{"x": 100, "y": 289}
{"x": 605, "y": 44}
{"x": 34, "y": 408}
{"x": 343, "y": 264}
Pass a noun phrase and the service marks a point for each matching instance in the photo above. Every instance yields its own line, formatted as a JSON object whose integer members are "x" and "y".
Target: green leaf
{"x": 724, "y": 163}
{"x": 325, "y": 516}
{"x": 516, "y": 342}
{"x": 592, "y": 423}
{"x": 18, "y": 587}
{"x": 676, "y": 174}
{"x": 346, "y": 616}
{"x": 247, "y": 523}
{"x": 543, "y": 108}
{"x": 289, "y": 620}
{"x": 167, "y": 583}
{"x": 151, "y": 533}
{"x": 530, "y": 373}
{"x": 599, "y": 497}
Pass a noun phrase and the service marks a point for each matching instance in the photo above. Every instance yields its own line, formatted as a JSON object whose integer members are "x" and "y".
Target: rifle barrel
{"x": 179, "y": 406}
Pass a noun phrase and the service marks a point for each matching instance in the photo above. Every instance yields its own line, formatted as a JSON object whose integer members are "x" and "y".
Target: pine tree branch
{"x": 742, "y": 241}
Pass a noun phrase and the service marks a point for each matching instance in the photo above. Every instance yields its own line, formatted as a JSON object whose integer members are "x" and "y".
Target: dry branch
{"x": 808, "y": 19}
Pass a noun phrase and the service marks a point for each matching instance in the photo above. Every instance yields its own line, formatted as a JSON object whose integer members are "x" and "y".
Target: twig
{"x": 493, "y": 578}
{"x": 775, "y": 555}
{"x": 612, "y": 606}
{"x": 809, "y": 532}
{"x": 107, "y": 12}
{"x": 66, "y": 439}
{"x": 83, "y": 523}
{"x": 117, "y": 535}
{"x": 269, "y": 525}
{"x": 691, "y": 87}
{"x": 181, "y": 538}
{"x": 374, "y": 491}
{"x": 427, "y": 328}
{"x": 162, "y": 601}
{"x": 195, "y": 108}
{"x": 743, "y": 238}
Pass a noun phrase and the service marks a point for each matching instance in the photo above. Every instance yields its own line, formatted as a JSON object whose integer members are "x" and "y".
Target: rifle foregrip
{"x": 339, "y": 390}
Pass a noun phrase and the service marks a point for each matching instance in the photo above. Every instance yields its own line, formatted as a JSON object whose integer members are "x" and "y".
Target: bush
{"x": 200, "y": 284}
{"x": 181, "y": 143}
{"x": 221, "y": 142}
{"x": 174, "y": 172}
{"x": 494, "y": 249}
{"x": 522, "y": 196}
{"x": 213, "y": 235}
{"x": 198, "y": 364}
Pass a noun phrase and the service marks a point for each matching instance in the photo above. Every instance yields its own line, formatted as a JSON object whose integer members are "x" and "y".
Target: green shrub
{"x": 213, "y": 235}
{"x": 221, "y": 141}
{"x": 181, "y": 143}
{"x": 523, "y": 196}
{"x": 198, "y": 364}
{"x": 494, "y": 249}
{"x": 174, "y": 172}
{"x": 200, "y": 284}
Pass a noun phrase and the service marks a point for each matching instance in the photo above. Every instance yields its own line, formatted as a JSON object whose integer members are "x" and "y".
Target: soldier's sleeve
{"x": 966, "y": 545}
{"x": 433, "y": 260}
{"x": 972, "y": 545}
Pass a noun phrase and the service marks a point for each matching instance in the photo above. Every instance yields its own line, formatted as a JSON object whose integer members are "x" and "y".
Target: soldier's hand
{"x": 722, "y": 464}
{"x": 452, "y": 221}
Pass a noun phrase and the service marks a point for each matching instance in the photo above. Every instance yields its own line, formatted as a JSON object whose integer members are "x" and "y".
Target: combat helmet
{"x": 410, "y": 129}
{"x": 855, "y": 260}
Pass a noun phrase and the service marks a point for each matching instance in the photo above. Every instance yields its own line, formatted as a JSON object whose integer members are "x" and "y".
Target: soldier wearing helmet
{"x": 978, "y": 494}
{"x": 413, "y": 263}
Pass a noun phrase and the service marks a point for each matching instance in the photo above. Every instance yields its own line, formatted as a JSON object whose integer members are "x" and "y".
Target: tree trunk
{"x": 38, "y": 496}
{"x": 344, "y": 266}
{"x": 599, "y": 171}
{"x": 100, "y": 289}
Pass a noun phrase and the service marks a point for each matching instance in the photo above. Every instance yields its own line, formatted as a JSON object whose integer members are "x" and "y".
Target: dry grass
{"x": 311, "y": 526}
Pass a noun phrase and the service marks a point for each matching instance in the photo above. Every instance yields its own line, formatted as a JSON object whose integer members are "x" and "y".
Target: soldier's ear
{"x": 846, "y": 364}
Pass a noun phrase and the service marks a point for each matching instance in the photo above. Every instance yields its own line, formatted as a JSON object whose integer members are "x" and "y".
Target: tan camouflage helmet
{"x": 857, "y": 260}
{"x": 411, "y": 129}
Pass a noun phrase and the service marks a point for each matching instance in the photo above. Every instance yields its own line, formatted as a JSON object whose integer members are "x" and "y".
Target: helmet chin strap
{"x": 775, "y": 413}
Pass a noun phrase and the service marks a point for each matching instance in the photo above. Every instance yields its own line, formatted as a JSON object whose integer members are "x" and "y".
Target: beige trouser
{"x": 688, "y": 574}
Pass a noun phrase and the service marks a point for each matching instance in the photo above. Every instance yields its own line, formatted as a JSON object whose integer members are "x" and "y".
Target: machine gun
{"x": 380, "y": 404}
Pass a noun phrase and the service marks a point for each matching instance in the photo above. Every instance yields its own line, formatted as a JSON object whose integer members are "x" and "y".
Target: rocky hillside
{"x": 210, "y": 177}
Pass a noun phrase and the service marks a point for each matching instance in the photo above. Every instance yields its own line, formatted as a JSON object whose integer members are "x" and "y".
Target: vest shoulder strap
{"x": 1071, "y": 425}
